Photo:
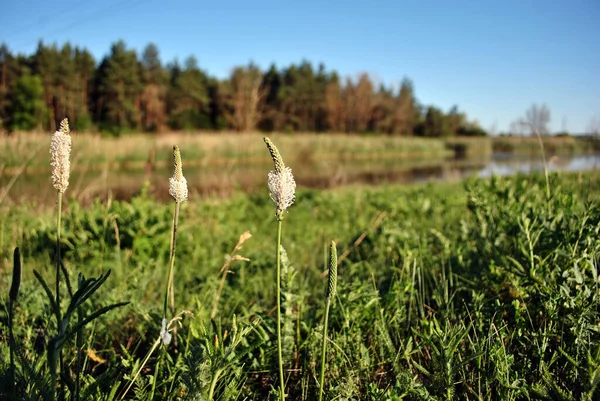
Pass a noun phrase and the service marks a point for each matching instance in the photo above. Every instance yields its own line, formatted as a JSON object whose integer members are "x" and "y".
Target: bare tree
{"x": 563, "y": 126}
{"x": 517, "y": 127}
{"x": 493, "y": 129}
{"x": 593, "y": 127}
{"x": 244, "y": 98}
{"x": 539, "y": 116}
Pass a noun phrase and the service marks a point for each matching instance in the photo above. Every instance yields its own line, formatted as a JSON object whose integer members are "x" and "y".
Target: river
{"x": 222, "y": 181}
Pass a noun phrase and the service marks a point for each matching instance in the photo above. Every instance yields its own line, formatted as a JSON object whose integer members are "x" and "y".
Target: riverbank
{"x": 27, "y": 152}
{"x": 222, "y": 165}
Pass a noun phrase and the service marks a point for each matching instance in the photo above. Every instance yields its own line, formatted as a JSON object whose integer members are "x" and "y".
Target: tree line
{"x": 125, "y": 92}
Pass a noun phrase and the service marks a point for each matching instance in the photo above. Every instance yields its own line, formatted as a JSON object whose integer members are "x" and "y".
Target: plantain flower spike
{"x": 177, "y": 184}
{"x": 331, "y": 288}
{"x": 60, "y": 153}
{"x": 282, "y": 186}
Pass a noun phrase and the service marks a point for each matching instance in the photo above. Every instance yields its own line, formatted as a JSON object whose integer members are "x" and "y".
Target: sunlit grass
{"x": 485, "y": 289}
{"x": 132, "y": 151}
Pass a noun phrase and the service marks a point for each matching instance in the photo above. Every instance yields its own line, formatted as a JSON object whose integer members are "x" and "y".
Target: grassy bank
{"x": 482, "y": 290}
{"x": 215, "y": 149}
{"x": 565, "y": 145}
{"x": 93, "y": 152}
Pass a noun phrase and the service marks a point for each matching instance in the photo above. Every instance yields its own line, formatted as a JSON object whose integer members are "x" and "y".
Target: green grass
{"x": 481, "y": 290}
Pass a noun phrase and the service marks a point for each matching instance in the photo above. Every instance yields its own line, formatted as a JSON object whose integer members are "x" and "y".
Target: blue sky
{"x": 491, "y": 58}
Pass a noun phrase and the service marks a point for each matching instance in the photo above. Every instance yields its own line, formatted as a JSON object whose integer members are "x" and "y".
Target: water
{"x": 506, "y": 164}
{"x": 224, "y": 180}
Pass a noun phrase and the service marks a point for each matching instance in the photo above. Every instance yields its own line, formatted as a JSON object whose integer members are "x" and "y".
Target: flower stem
{"x": 281, "y": 382}
{"x": 170, "y": 284}
{"x": 58, "y": 216}
{"x": 324, "y": 348}
{"x": 58, "y": 317}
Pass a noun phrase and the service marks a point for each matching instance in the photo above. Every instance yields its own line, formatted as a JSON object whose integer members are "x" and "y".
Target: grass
{"x": 566, "y": 145}
{"x": 210, "y": 149}
{"x": 486, "y": 289}
{"x": 477, "y": 290}
{"x": 96, "y": 153}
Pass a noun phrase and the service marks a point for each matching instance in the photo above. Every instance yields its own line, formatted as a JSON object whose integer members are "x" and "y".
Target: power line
{"x": 92, "y": 17}
{"x": 45, "y": 17}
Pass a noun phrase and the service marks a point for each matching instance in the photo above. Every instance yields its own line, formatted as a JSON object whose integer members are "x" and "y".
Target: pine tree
{"x": 85, "y": 67}
{"x": 28, "y": 108}
{"x": 119, "y": 87}
{"x": 153, "y": 96}
{"x": 188, "y": 99}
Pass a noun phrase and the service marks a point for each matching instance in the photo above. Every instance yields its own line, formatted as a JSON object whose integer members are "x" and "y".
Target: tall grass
{"x": 331, "y": 288}
{"x": 208, "y": 149}
{"x": 483, "y": 290}
{"x": 134, "y": 152}
{"x": 60, "y": 384}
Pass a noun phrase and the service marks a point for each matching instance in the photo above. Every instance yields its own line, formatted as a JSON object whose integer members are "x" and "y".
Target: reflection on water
{"x": 222, "y": 181}
{"x": 503, "y": 164}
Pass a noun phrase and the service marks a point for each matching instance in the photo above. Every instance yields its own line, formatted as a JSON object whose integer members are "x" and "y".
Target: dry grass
{"x": 93, "y": 150}
{"x": 552, "y": 145}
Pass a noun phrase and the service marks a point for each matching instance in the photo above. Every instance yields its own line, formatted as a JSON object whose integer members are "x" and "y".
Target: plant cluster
{"x": 485, "y": 290}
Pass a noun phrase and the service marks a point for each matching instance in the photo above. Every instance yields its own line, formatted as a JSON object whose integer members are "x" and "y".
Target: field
{"x": 480, "y": 290}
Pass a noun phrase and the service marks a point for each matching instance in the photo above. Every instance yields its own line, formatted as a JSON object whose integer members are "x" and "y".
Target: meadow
{"x": 479, "y": 290}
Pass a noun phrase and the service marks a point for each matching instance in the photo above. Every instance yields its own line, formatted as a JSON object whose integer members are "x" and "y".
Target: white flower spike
{"x": 282, "y": 187}
{"x": 60, "y": 153}
{"x": 177, "y": 184}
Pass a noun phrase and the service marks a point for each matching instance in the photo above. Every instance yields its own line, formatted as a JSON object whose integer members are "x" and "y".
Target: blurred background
{"x": 355, "y": 92}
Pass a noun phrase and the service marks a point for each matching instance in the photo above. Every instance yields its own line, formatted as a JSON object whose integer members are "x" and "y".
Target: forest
{"x": 130, "y": 92}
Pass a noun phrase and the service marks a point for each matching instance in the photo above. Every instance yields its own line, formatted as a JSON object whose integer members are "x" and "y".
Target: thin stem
{"x": 169, "y": 290}
{"x": 539, "y": 137}
{"x": 178, "y": 362}
{"x": 281, "y": 382}
{"x": 11, "y": 345}
{"x": 172, "y": 269}
{"x": 218, "y": 296}
{"x": 156, "y": 373}
{"x": 170, "y": 284}
{"x": 156, "y": 343}
{"x": 79, "y": 344}
{"x": 58, "y": 216}
{"x": 541, "y": 143}
{"x": 323, "y": 349}
{"x": 58, "y": 317}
